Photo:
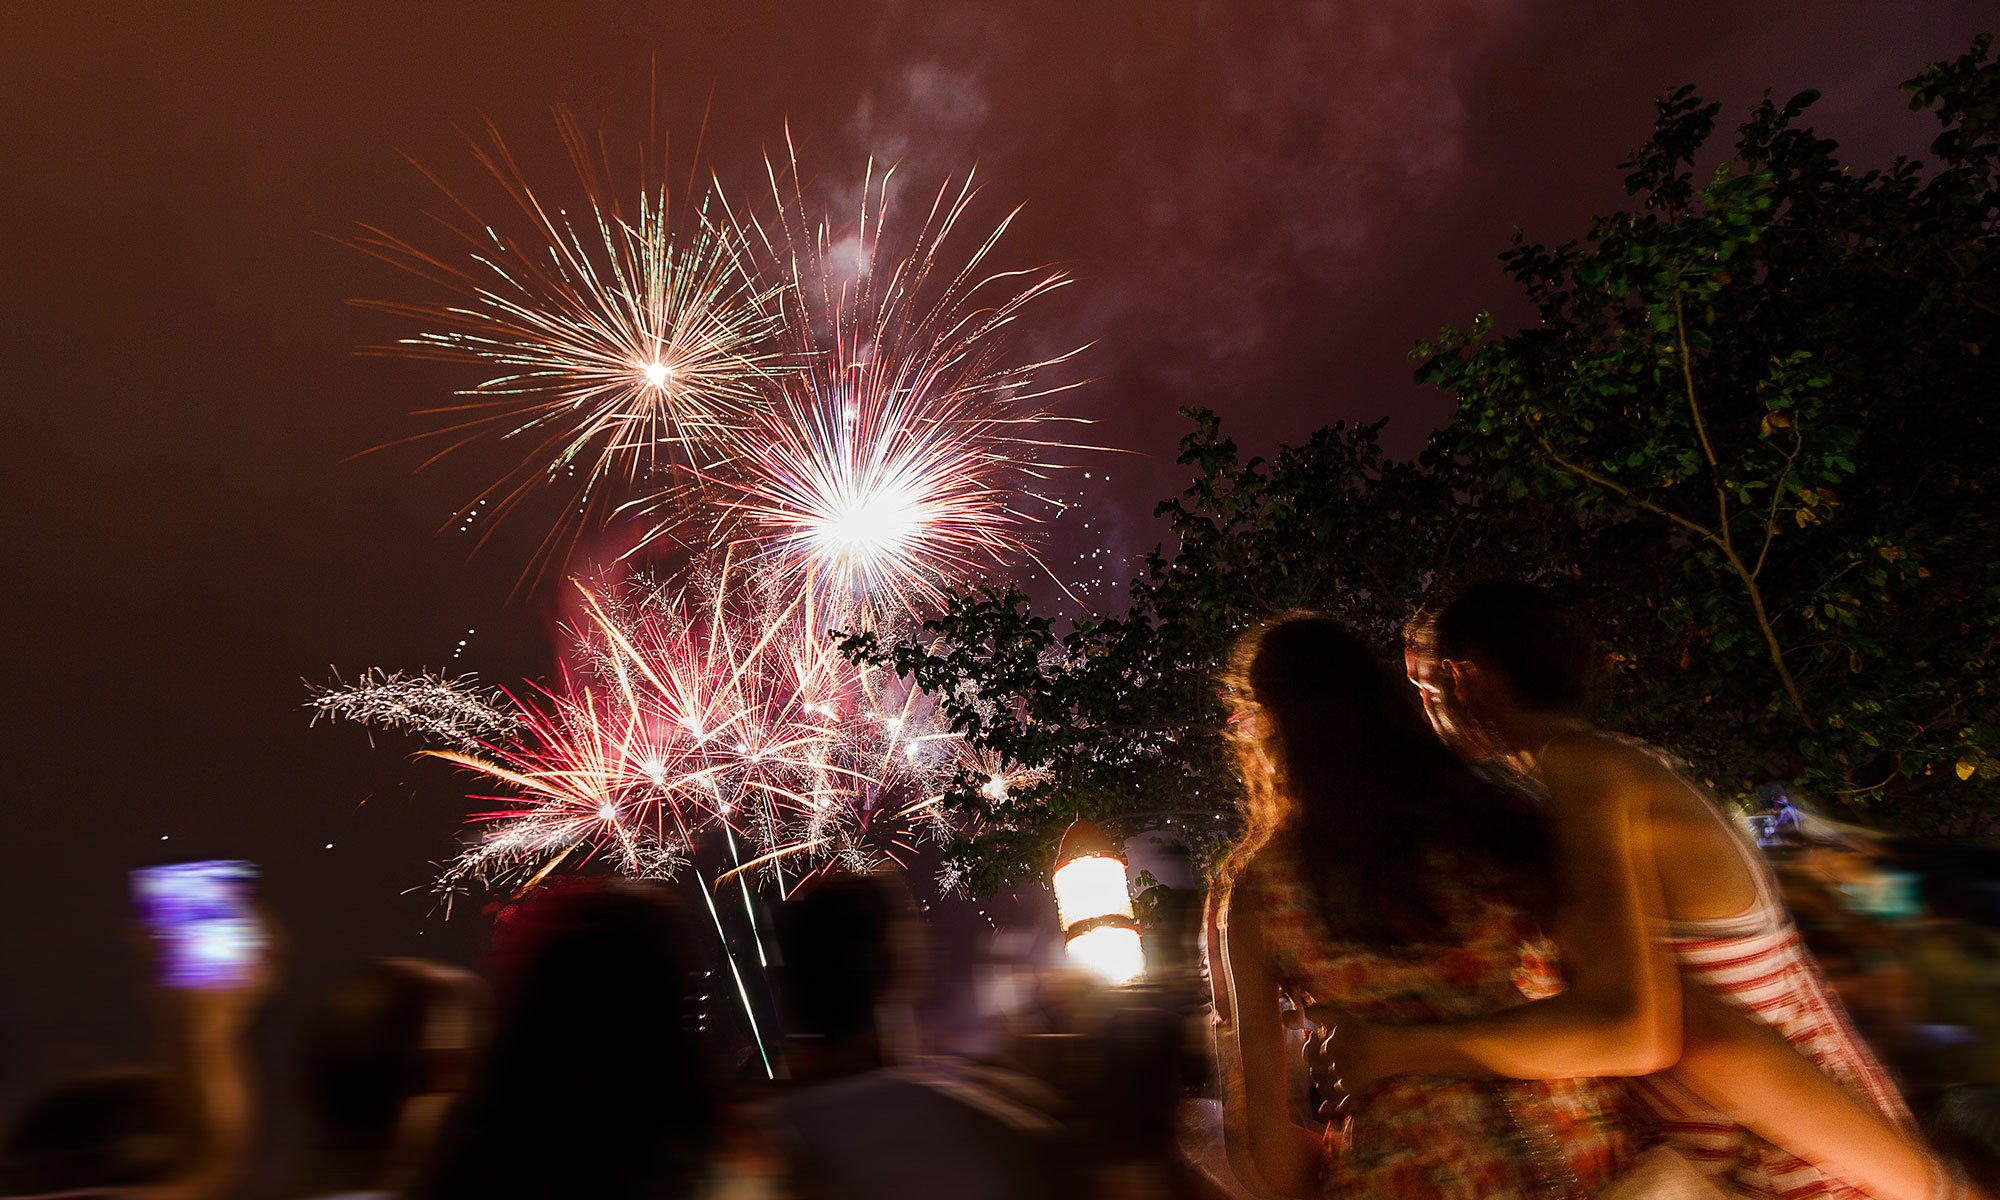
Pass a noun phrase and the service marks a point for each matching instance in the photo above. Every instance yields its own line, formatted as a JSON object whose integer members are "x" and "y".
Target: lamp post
{"x": 1094, "y": 906}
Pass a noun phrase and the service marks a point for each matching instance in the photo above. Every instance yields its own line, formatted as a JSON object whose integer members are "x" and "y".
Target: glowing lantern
{"x": 1094, "y": 906}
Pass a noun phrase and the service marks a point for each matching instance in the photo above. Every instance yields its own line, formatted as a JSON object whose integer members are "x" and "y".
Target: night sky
{"x": 1264, "y": 204}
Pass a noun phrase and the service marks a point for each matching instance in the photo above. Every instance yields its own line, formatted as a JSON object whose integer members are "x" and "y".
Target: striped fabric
{"x": 1755, "y": 961}
{"x": 1770, "y": 977}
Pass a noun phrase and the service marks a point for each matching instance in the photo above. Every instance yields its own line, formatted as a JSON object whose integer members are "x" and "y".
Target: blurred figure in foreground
{"x": 1956, "y": 959}
{"x": 179, "y": 1132}
{"x": 865, "y": 1121}
{"x": 596, "y": 1082}
{"x": 105, "y": 1132}
{"x": 386, "y": 1054}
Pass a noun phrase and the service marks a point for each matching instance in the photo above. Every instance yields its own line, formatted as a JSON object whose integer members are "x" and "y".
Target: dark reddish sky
{"x": 1264, "y": 204}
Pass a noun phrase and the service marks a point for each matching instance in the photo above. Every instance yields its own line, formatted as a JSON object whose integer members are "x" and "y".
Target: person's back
{"x": 1703, "y": 872}
{"x": 595, "y": 1082}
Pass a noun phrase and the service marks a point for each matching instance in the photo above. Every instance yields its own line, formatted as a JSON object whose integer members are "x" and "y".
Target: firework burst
{"x": 841, "y": 416}
{"x": 625, "y": 343}
{"x": 892, "y": 462}
{"x": 998, "y": 778}
{"x": 713, "y": 708}
{"x": 456, "y": 710}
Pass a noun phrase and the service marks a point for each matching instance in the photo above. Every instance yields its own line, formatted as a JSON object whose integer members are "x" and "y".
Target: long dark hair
{"x": 1335, "y": 753}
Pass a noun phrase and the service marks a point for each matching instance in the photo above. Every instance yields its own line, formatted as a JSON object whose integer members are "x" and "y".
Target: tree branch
{"x": 1728, "y": 552}
{"x": 1612, "y": 485}
{"x": 1778, "y": 494}
{"x": 1725, "y": 540}
{"x": 1701, "y": 427}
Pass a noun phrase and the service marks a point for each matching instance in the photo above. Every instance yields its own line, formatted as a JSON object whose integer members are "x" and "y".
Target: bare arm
{"x": 212, "y": 1072}
{"x": 206, "y": 1035}
{"x": 1267, "y": 1150}
{"x": 1621, "y": 1012}
{"x": 1752, "y": 1073}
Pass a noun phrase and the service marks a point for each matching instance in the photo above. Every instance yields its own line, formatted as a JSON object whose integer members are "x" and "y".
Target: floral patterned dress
{"x": 1436, "y": 1136}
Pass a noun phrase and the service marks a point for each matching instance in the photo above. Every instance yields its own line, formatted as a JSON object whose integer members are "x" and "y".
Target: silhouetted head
{"x": 1499, "y": 649}
{"x": 1542, "y": 650}
{"x": 392, "y": 1033}
{"x": 849, "y": 946}
{"x": 108, "y": 1130}
{"x": 1335, "y": 752}
{"x": 596, "y": 1081}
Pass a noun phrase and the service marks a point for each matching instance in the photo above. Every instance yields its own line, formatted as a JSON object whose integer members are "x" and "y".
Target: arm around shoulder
{"x": 1620, "y": 1014}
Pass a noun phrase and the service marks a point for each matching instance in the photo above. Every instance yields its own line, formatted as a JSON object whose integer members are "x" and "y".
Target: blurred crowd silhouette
{"x": 579, "y": 1065}
{"x": 1360, "y": 1036}
{"x": 422, "y": 1080}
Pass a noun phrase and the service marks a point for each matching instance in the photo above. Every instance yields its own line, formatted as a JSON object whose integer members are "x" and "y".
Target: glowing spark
{"x": 711, "y": 707}
{"x": 454, "y": 710}
{"x": 1001, "y": 778}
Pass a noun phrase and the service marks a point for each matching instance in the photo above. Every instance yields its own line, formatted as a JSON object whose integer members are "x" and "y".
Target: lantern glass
{"x": 1089, "y": 887}
{"x": 1110, "y": 952}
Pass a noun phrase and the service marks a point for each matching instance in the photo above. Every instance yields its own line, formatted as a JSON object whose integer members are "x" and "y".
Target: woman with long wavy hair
{"x": 1380, "y": 874}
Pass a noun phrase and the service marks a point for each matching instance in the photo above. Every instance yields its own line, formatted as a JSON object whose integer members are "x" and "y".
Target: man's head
{"x": 1497, "y": 650}
{"x": 848, "y": 948}
{"x": 386, "y": 1050}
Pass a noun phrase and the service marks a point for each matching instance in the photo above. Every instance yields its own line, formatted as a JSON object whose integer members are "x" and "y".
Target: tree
{"x": 1753, "y": 431}
{"x": 1788, "y": 371}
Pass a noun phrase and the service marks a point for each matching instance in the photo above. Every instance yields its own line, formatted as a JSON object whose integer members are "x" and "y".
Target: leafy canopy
{"x": 1753, "y": 430}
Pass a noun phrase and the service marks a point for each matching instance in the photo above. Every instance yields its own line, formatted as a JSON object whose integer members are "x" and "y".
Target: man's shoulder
{"x": 1590, "y": 769}
{"x": 1602, "y": 752}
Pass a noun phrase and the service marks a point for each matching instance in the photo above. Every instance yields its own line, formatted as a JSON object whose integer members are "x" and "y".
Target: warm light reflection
{"x": 1110, "y": 952}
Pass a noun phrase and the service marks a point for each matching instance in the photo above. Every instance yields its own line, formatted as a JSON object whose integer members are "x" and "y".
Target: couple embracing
{"x": 1539, "y": 960}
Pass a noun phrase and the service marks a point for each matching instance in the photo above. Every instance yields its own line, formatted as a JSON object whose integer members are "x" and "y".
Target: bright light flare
{"x": 1112, "y": 953}
{"x": 867, "y": 526}
{"x": 1091, "y": 887}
